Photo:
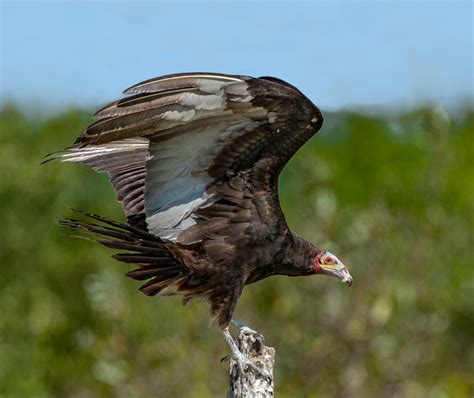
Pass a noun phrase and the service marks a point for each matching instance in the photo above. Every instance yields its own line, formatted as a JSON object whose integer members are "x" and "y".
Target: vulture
{"x": 195, "y": 160}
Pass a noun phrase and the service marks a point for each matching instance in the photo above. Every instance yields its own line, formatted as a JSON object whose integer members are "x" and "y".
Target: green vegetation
{"x": 393, "y": 196}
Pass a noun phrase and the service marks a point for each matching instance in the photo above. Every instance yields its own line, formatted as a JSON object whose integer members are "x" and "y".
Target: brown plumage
{"x": 195, "y": 160}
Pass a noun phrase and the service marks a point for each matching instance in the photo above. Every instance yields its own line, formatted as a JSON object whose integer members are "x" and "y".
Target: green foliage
{"x": 392, "y": 196}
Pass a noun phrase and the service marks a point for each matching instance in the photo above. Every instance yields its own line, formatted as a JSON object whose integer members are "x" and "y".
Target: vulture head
{"x": 327, "y": 263}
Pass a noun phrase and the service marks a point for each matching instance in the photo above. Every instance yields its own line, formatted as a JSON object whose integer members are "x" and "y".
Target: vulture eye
{"x": 329, "y": 261}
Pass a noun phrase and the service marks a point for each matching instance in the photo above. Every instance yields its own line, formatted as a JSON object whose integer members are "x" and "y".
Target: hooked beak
{"x": 345, "y": 276}
{"x": 341, "y": 273}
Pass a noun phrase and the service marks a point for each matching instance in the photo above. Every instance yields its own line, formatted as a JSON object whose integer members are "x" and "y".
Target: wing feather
{"x": 124, "y": 161}
{"x": 206, "y": 81}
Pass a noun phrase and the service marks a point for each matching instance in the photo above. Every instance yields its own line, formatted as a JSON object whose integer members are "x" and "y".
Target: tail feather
{"x": 148, "y": 251}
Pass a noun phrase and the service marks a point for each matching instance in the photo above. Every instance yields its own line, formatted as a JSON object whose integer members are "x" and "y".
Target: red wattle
{"x": 316, "y": 266}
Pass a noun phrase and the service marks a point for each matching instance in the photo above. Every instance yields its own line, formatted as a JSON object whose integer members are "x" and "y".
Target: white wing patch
{"x": 208, "y": 102}
{"x": 183, "y": 116}
{"x": 166, "y": 220}
{"x": 177, "y": 175}
{"x": 177, "y": 179}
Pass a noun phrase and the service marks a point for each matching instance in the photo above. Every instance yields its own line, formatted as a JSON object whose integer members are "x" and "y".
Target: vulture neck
{"x": 298, "y": 257}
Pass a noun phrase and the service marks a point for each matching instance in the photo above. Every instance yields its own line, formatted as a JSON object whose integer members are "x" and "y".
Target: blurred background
{"x": 387, "y": 184}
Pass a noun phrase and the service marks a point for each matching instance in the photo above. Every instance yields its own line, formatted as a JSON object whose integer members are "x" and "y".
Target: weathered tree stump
{"x": 249, "y": 383}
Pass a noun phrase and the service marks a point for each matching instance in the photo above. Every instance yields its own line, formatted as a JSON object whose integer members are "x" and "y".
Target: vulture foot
{"x": 240, "y": 325}
{"x": 241, "y": 359}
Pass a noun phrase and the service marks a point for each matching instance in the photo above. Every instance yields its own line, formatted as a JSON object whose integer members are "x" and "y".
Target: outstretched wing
{"x": 169, "y": 144}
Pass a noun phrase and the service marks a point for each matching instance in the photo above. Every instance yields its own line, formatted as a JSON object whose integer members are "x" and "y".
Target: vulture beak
{"x": 345, "y": 276}
{"x": 341, "y": 273}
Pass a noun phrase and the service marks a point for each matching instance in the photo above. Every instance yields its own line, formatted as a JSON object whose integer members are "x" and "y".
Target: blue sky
{"x": 340, "y": 53}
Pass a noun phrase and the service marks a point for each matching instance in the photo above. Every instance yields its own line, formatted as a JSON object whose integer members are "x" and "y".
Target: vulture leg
{"x": 241, "y": 359}
{"x": 240, "y": 325}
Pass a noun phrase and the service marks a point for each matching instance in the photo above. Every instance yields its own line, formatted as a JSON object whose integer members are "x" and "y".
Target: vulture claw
{"x": 243, "y": 362}
{"x": 226, "y": 358}
{"x": 240, "y": 358}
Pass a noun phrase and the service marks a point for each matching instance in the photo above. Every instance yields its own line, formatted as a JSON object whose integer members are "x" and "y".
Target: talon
{"x": 243, "y": 362}
{"x": 226, "y": 358}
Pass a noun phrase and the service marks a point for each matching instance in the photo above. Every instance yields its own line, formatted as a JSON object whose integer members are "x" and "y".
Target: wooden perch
{"x": 249, "y": 383}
